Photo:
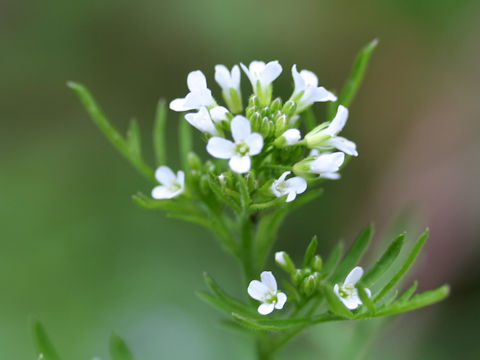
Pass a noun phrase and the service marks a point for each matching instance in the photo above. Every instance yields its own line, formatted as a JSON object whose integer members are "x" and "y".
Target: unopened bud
{"x": 289, "y": 108}
{"x": 317, "y": 263}
{"x": 288, "y": 138}
{"x": 309, "y": 285}
{"x": 284, "y": 261}
{"x": 276, "y": 105}
{"x": 281, "y": 124}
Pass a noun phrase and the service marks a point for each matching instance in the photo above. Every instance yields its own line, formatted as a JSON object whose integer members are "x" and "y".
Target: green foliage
{"x": 119, "y": 349}
{"x": 43, "y": 347}
{"x": 160, "y": 134}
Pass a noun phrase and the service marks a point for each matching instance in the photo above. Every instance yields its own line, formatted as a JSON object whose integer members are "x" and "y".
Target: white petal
{"x": 283, "y": 176}
{"x": 338, "y": 121}
{"x": 165, "y": 175}
{"x": 181, "y": 178}
{"x": 164, "y": 192}
{"x": 279, "y": 258}
{"x": 328, "y": 162}
{"x": 297, "y": 184}
{"x": 196, "y": 81}
{"x": 202, "y": 121}
{"x": 197, "y": 99}
{"x": 220, "y": 148}
{"x": 292, "y": 136}
{"x": 265, "y": 309}
{"x": 272, "y": 70}
{"x": 335, "y": 290}
{"x": 256, "y": 70}
{"x": 235, "y": 77}
{"x": 218, "y": 113}
{"x": 352, "y": 302}
{"x": 309, "y": 78}
{"x": 322, "y": 94}
{"x": 342, "y": 144}
{"x": 240, "y": 127}
{"x": 257, "y": 290}
{"x": 222, "y": 76}
{"x": 291, "y": 196}
{"x": 247, "y": 72}
{"x": 330, "y": 175}
{"x": 179, "y": 105}
{"x": 269, "y": 280}
{"x": 354, "y": 275}
{"x": 281, "y": 300}
{"x": 369, "y": 293}
{"x": 298, "y": 81}
{"x": 255, "y": 143}
{"x": 240, "y": 164}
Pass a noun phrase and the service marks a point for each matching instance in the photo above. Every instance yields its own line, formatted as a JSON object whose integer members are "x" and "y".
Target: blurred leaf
{"x": 108, "y": 130}
{"x": 266, "y": 233}
{"x": 408, "y": 293}
{"x": 270, "y": 324}
{"x": 222, "y": 195}
{"x": 185, "y": 140}
{"x": 119, "y": 349}
{"x": 355, "y": 253}
{"x": 310, "y": 252}
{"x": 406, "y": 265}
{"x": 310, "y": 120}
{"x": 366, "y": 300}
{"x": 133, "y": 139}
{"x": 242, "y": 188}
{"x": 355, "y": 80}
{"x": 334, "y": 303}
{"x": 43, "y": 346}
{"x": 164, "y": 204}
{"x": 277, "y": 202}
{"x": 159, "y": 134}
{"x": 332, "y": 260}
{"x": 385, "y": 261}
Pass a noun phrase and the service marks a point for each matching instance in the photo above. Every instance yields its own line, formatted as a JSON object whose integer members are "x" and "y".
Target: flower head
{"x": 245, "y": 144}
{"x": 290, "y": 187}
{"x": 198, "y": 96}
{"x": 347, "y": 292}
{"x": 266, "y": 291}
{"x": 229, "y": 81}
{"x": 307, "y": 91}
{"x": 172, "y": 185}
{"x": 325, "y": 137}
{"x": 261, "y": 76}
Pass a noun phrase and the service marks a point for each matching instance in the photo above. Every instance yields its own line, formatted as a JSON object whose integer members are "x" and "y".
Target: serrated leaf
{"x": 108, "y": 129}
{"x": 310, "y": 252}
{"x": 355, "y": 253}
{"x": 408, "y": 293}
{"x": 355, "y": 80}
{"x": 385, "y": 261}
{"x": 406, "y": 265}
{"x": 185, "y": 140}
{"x": 159, "y": 133}
{"x": 119, "y": 349}
{"x": 335, "y": 305}
{"x": 366, "y": 300}
{"x": 133, "y": 139}
{"x": 332, "y": 260}
{"x": 44, "y": 348}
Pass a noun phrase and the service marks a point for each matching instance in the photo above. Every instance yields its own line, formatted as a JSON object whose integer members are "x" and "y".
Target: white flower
{"x": 218, "y": 114}
{"x": 230, "y": 84}
{"x": 292, "y": 186}
{"x": 347, "y": 292}
{"x": 171, "y": 185}
{"x": 280, "y": 258}
{"x": 266, "y": 291}
{"x": 292, "y": 136}
{"x": 307, "y": 91}
{"x": 261, "y": 76}
{"x": 325, "y": 138}
{"x": 198, "y": 96}
{"x": 246, "y": 144}
{"x": 202, "y": 121}
{"x": 327, "y": 165}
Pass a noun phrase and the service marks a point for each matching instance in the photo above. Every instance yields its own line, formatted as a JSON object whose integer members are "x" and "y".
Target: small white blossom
{"x": 202, "y": 121}
{"x": 245, "y": 144}
{"x": 172, "y": 185}
{"x": 280, "y": 258}
{"x": 266, "y": 291}
{"x": 262, "y": 75}
{"x": 219, "y": 114}
{"x": 198, "y": 96}
{"x": 230, "y": 84}
{"x": 307, "y": 91}
{"x": 292, "y": 136}
{"x": 347, "y": 292}
{"x": 324, "y": 138}
{"x": 290, "y": 187}
{"x": 327, "y": 165}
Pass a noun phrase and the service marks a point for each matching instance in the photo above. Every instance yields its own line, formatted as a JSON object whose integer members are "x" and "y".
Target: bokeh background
{"x": 78, "y": 254}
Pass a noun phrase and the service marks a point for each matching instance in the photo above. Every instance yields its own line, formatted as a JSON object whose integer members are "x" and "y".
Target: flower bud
{"x": 309, "y": 284}
{"x": 194, "y": 162}
{"x": 250, "y": 110}
{"x": 254, "y": 101}
{"x": 256, "y": 121}
{"x": 276, "y": 105}
{"x": 297, "y": 277}
{"x": 317, "y": 263}
{"x": 267, "y": 128}
{"x": 284, "y": 261}
{"x": 288, "y": 138}
{"x": 289, "y": 108}
{"x": 316, "y": 136}
{"x": 204, "y": 186}
{"x": 280, "y": 125}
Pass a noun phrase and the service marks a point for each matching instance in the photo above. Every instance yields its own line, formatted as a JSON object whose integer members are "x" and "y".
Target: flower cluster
{"x": 263, "y": 139}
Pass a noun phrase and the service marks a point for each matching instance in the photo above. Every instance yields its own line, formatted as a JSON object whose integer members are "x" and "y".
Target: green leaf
{"x": 310, "y": 252}
{"x": 332, "y": 260}
{"x": 159, "y": 133}
{"x": 119, "y": 349}
{"x": 408, "y": 293}
{"x": 164, "y": 204}
{"x": 417, "y": 301}
{"x": 270, "y": 324}
{"x": 355, "y": 80}
{"x": 133, "y": 140}
{"x": 280, "y": 201}
{"x": 355, "y": 253}
{"x": 266, "y": 233}
{"x": 243, "y": 190}
{"x": 222, "y": 195}
{"x": 406, "y": 265}
{"x": 366, "y": 300}
{"x": 385, "y": 261}
{"x": 334, "y": 303}
{"x": 185, "y": 140}
{"x": 108, "y": 130}
{"x": 43, "y": 346}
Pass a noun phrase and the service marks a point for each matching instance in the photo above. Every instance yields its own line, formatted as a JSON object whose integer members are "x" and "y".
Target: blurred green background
{"x": 77, "y": 253}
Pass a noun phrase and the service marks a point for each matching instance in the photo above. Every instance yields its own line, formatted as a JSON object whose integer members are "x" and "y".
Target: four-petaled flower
{"x": 198, "y": 96}
{"x": 230, "y": 84}
{"x": 327, "y": 165}
{"x": 246, "y": 144}
{"x": 307, "y": 91}
{"x": 204, "y": 119}
{"x": 292, "y": 186}
{"x": 266, "y": 291}
{"x": 261, "y": 76}
{"x": 347, "y": 292}
{"x": 325, "y": 137}
{"x": 172, "y": 185}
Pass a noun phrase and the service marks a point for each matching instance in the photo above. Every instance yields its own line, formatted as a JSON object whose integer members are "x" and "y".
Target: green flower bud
{"x": 281, "y": 125}
{"x": 204, "y": 187}
{"x": 289, "y": 108}
{"x": 250, "y": 110}
{"x": 276, "y": 105}
{"x": 309, "y": 285}
{"x": 194, "y": 161}
{"x": 254, "y": 101}
{"x": 317, "y": 263}
{"x": 267, "y": 128}
{"x": 256, "y": 121}
{"x": 284, "y": 261}
{"x": 316, "y": 137}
